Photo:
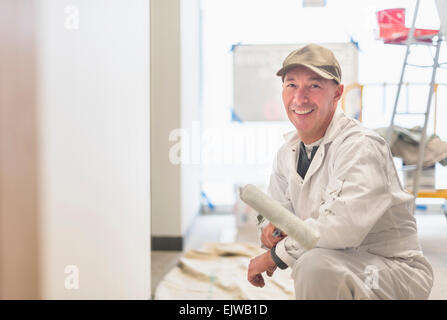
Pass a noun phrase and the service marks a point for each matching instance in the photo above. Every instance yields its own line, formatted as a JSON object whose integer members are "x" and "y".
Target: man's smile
{"x": 303, "y": 111}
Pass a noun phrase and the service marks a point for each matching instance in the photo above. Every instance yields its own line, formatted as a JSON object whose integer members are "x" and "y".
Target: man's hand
{"x": 258, "y": 265}
{"x": 268, "y": 239}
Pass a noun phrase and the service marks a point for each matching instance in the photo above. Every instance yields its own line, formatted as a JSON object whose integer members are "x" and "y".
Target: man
{"x": 339, "y": 177}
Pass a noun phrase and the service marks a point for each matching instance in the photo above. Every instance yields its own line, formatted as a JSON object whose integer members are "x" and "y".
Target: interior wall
{"x": 175, "y": 71}
{"x": 165, "y": 117}
{"x": 190, "y": 109}
{"x": 18, "y": 152}
{"x": 94, "y": 157}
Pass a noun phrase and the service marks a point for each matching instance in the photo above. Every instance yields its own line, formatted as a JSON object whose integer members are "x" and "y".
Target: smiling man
{"x": 339, "y": 177}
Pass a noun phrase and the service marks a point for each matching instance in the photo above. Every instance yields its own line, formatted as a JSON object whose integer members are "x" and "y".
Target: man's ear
{"x": 339, "y": 92}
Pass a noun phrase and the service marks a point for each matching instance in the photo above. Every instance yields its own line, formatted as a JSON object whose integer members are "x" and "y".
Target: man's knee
{"x": 314, "y": 264}
{"x": 316, "y": 272}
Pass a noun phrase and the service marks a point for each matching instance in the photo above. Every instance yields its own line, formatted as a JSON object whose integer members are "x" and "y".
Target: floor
{"x": 432, "y": 228}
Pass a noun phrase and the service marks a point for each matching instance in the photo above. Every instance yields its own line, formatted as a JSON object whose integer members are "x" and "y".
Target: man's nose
{"x": 300, "y": 96}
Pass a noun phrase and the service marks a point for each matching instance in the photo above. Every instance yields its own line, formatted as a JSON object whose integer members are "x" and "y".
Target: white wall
{"x": 94, "y": 163}
{"x": 175, "y": 188}
{"x": 165, "y": 116}
{"x": 190, "y": 107}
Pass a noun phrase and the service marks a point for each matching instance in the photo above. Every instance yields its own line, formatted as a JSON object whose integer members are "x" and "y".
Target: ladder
{"x": 410, "y": 41}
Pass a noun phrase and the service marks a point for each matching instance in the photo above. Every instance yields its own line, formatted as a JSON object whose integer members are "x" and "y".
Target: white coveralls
{"x": 368, "y": 246}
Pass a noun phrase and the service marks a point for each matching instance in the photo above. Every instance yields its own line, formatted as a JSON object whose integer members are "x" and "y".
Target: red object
{"x": 392, "y": 29}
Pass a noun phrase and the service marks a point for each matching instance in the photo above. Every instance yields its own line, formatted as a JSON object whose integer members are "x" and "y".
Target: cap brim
{"x": 322, "y": 73}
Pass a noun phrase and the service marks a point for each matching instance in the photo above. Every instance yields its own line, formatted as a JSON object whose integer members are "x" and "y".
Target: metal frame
{"x": 411, "y": 41}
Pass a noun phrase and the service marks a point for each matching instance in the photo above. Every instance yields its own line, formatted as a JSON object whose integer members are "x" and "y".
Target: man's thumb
{"x": 270, "y": 271}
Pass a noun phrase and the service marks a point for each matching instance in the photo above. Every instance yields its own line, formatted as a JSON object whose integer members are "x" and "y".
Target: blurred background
{"x": 127, "y": 128}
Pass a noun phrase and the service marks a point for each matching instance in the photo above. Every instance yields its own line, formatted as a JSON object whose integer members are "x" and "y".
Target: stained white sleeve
{"x": 355, "y": 198}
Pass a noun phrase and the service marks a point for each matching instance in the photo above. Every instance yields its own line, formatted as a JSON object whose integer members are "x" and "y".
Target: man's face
{"x": 310, "y": 102}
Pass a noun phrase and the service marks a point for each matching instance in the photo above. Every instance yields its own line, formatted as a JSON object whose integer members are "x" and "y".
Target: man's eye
{"x": 314, "y": 86}
{"x": 291, "y": 85}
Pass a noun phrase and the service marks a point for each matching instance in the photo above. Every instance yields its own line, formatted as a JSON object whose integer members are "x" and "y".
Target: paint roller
{"x": 279, "y": 216}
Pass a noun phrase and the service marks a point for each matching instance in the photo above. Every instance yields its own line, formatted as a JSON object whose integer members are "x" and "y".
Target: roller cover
{"x": 279, "y": 216}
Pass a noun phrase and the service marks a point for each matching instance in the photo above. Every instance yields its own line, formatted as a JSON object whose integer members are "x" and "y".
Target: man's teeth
{"x": 303, "y": 111}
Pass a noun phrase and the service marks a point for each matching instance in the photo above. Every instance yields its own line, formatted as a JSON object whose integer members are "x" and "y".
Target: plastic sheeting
{"x": 219, "y": 271}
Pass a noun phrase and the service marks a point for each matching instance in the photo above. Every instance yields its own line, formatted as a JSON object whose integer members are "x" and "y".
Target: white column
{"x": 94, "y": 149}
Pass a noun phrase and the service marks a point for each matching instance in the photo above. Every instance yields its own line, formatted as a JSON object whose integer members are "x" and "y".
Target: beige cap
{"x": 319, "y": 59}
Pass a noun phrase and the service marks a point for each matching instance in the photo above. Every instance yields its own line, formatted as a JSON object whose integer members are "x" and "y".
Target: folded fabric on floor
{"x": 219, "y": 271}
{"x": 405, "y": 145}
